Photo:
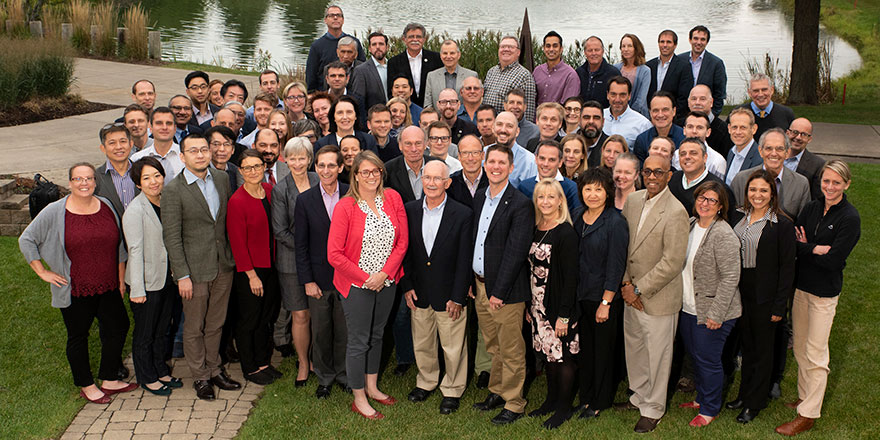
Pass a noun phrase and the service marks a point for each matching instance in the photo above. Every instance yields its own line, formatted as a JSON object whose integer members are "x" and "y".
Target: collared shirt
{"x": 203, "y": 117}
{"x": 715, "y": 162}
{"x": 662, "y": 68}
{"x": 415, "y": 66}
{"x": 125, "y": 187}
{"x": 209, "y": 191}
{"x": 472, "y": 186}
{"x": 500, "y": 80}
{"x": 453, "y": 163}
{"x": 180, "y": 133}
{"x": 558, "y": 177}
{"x": 557, "y": 84}
{"x": 649, "y": 205}
{"x": 249, "y": 113}
{"x": 450, "y": 78}
{"x": 778, "y": 181}
{"x": 630, "y": 124}
{"x": 273, "y": 171}
{"x": 758, "y": 110}
{"x": 524, "y": 166}
{"x": 739, "y": 158}
{"x": 486, "y": 215}
{"x": 792, "y": 162}
{"x": 330, "y": 200}
{"x": 695, "y": 182}
{"x": 749, "y": 236}
{"x": 431, "y": 223}
{"x": 248, "y": 141}
{"x": 382, "y": 68}
{"x": 695, "y": 65}
{"x": 170, "y": 161}
{"x": 415, "y": 180}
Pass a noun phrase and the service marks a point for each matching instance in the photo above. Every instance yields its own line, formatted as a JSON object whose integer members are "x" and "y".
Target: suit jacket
{"x": 366, "y": 83}
{"x": 197, "y": 244}
{"x": 753, "y": 159}
{"x": 436, "y": 80}
{"x": 368, "y": 142}
{"x": 445, "y": 274}
{"x": 810, "y": 166}
{"x": 506, "y": 248}
{"x": 602, "y": 253}
{"x": 105, "y": 188}
{"x": 775, "y": 264}
{"x": 713, "y": 74}
{"x": 679, "y": 80}
{"x": 400, "y": 64}
{"x": 311, "y": 235}
{"x": 207, "y": 124}
{"x": 281, "y": 171}
{"x": 716, "y": 274}
{"x": 458, "y": 189}
{"x": 657, "y": 252}
{"x": 397, "y": 177}
{"x": 284, "y": 196}
{"x": 190, "y": 129}
{"x": 793, "y": 195}
{"x": 147, "y": 259}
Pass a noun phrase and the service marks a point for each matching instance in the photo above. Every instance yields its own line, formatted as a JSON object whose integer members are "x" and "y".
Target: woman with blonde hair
{"x": 614, "y": 146}
{"x": 574, "y": 155}
{"x": 295, "y": 97}
{"x": 400, "y": 115}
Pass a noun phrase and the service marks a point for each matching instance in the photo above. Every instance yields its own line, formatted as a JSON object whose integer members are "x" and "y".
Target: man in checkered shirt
{"x": 509, "y": 74}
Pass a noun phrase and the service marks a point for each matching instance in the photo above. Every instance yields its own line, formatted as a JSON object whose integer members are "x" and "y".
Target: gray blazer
{"x": 794, "y": 193}
{"x": 147, "y": 260}
{"x": 196, "y": 243}
{"x": 366, "y": 83}
{"x": 436, "y": 82}
{"x": 284, "y": 196}
{"x": 716, "y": 274}
{"x": 43, "y": 239}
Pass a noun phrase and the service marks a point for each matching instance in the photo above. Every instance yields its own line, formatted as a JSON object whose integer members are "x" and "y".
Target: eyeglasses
{"x": 252, "y": 168}
{"x": 431, "y": 179}
{"x": 572, "y": 109}
{"x": 508, "y": 46}
{"x": 704, "y": 199}
{"x": 296, "y": 98}
{"x": 203, "y": 150}
{"x": 439, "y": 138}
{"x": 778, "y": 149}
{"x": 659, "y": 172}
{"x": 367, "y": 173}
{"x": 795, "y": 133}
{"x": 195, "y": 87}
{"x": 472, "y": 88}
{"x": 469, "y": 153}
{"x": 445, "y": 102}
{"x": 82, "y": 179}
{"x": 179, "y": 108}
{"x": 333, "y": 15}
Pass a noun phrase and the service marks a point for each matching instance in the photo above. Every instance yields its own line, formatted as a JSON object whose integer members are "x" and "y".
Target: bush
{"x": 31, "y": 68}
{"x": 135, "y": 20}
{"x": 81, "y": 18}
{"x": 105, "y": 19}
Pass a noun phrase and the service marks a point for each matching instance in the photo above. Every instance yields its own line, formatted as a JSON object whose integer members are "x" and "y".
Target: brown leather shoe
{"x": 796, "y": 426}
{"x": 793, "y": 405}
{"x": 625, "y": 406}
{"x": 646, "y": 424}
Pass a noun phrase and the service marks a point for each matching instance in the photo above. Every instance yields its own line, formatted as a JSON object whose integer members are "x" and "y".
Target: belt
{"x": 479, "y": 278}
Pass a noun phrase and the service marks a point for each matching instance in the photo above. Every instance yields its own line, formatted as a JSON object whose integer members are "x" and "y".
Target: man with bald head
{"x": 700, "y": 100}
{"x": 800, "y": 133}
{"x": 450, "y": 76}
{"x": 506, "y": 130}
{"x": 448, "y": 106}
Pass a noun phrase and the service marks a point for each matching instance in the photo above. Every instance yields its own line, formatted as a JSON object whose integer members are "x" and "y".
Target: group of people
{"x": 475, "y": 220}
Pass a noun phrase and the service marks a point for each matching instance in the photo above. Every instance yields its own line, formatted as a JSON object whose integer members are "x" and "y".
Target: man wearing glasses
{"x": 807, "y": 164}
{"x": 197, "y": 89}
{"x": 508, "y": 75}
{"x": 414, "y": 63}
{"x": 323, "y": 50}
{"x": 448, "y": 107}
{"x": 471, "y": 92}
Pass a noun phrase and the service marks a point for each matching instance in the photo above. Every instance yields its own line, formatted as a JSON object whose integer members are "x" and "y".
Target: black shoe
{"x": 204, "y": 390}
{"x": 492, "y": 401}
{"x": 345, "y": 388}
{"x": 273, "y": 372}
{"x": 646, "y": 424}
{"x": 286, "y": 350}
{"x": 558, "y": 418}
{"x": 588, "y": 413}
{"x": 164, "y": 390}
{"x": 175, "y": 382}
{"x": 506, "y": 417}
{"x": 123, "y": 372}
{"x": 734, "y": 404}
{"x": 322, "y": 392}
{"x": 224, "y": 382}
{"x": 401, "y": 369}
{"x": 418, "y": 395}
{"x": 747, "y": 415}
{"x": 260, "y": 377}
{"x": 448, "y": 405}
{"x": 775, "y": 391}
{"x": 300, "y": 383}
{"x": 543, "y": 410}
{"x": 625, "y": 406}
{"x": 483, "y": 380}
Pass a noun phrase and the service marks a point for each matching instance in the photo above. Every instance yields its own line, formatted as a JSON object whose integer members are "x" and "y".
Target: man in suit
{"x": 507, "y": 75}
{"x": 592, "y": 125}
{"x": 323, "y": 50}
{"x": 768, "y": 114}
{"x": 744, "y": 154}
{"x": 112, "y": 178}
{"x": 164, "y": 148}
{"x": 450, "y": 76}
{"x": 700, "y": 100}
{"x": 504, "y": 220}
{"x": 669, "y": 72}
{"x": 697, "y": 125}
{"x": 652, "y": 286}
{"x": 595, "y": 72}
{"x": 706, "y": 68}
{"x": 448, "y": 105}
{"x": 793, "y": 189}
{"x": 662, "y": 107}
{"x": 346, "y": 52}
{"x": 194, "y": 230}
{"x": 267, "y": 143}
{"x": 196, "y": 84}
{"x": 182, "y": 107}
{"x": 379, "y": 124}
{"x": 370, "y": 79}
{"x": 314, "y": 209}
{"x": 415, "y": 62}
{"x": 807, "y": 164}
{"x": 436, "y": 285}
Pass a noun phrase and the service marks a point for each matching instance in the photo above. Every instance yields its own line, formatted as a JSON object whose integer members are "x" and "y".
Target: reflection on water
{"x": 240, "y": 32}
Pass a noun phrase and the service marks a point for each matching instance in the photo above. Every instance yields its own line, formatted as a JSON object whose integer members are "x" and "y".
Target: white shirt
{"x": 715, "y": 162}
{"x": 415, "y": 67}
{"x": 649, "y": 204}
{"x": 688, "y": 303}
{"x": 170, "y": 161}
{"x": 630, "y": 124}
{"x": 739, "y": 157}
{"x": 382, "y": 69}
{"x": 453, "y": 164}
{"x": 662, "y": 68}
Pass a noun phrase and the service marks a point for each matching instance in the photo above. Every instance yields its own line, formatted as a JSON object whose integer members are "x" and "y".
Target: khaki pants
{"x": 811, "y": 319}
{"x": 427, "y": 324}
{"x": 502, "y": 331}
{"x": 648, "y": 346}
{"x": 205, "y": 314}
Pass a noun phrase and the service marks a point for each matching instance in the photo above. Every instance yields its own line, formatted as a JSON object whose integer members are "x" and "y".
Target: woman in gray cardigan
{"x": 710, "y": 296}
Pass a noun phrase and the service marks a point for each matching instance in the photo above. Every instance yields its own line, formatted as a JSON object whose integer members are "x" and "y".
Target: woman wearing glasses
{"x": 295, "y": 101}
{"x": 367, "y": 242}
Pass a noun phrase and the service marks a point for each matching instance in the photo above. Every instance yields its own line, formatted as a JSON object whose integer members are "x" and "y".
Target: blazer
{"x": 793, "y": 195}
{"x": 602, "y": 253}
{"x": 657, "y": 252}
{"x": 713, "y": 74}
{"x": 753, "y": 159}
{"x": 560, "y": 294}
{"x": 193, "y": 121}
{"x": 679, "y": 81}
{"x": 43, "y": 239}
{"x": 399, "y": 64}
{"x": 594, "y": 156}
{"x": 642, "y": 145}
{"x": 810, "y": 166}
{"x": 346, "y": 237}
{"x": 197, "y": 244}
{"x": 436, "y": 80}
{"x": 190, "y": 129}
{"x": 569, "y": 188}
{"x": 366, "y": 83}
{"x": 775, "y": 263}
{"x": 458, "y": 189}
{"x": 311, "y": 235}
{"x": 104, "y": 187}
{"x": 638, "y": 98}
{"x": 147, "y": 265}
{"x": 281, "y": 171}
{"x": 284, "y": 196}
{"x": 397, "y": 177}
{"x": 368, "y": 142}
{"x": 445, "y": 274}
{"x": 506, "y": 249}
{"x": 716, "y": 274}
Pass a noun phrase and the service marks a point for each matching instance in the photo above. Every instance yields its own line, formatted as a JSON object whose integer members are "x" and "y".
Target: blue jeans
{"x": 705, "y": 347}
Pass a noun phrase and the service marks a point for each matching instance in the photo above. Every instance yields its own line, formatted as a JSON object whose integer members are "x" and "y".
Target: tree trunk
{"x": 805, "y": 54}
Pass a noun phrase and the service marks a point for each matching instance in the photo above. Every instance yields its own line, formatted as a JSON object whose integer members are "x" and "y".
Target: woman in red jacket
{"x": 367, "y": 242}
{"x": 255, "y": 288}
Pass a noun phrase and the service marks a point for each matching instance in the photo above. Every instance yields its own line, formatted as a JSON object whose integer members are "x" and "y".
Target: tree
{"x": 805, "y": 53}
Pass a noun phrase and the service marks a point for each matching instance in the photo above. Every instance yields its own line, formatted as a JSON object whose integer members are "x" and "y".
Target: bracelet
{"x": 564, "y": 320}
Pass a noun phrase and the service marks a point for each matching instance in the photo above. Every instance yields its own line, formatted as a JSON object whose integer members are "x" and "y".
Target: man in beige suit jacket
{"x": 658, "y": 230}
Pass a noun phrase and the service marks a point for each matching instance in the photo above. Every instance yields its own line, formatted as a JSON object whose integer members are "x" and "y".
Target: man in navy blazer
{"x": 314, "y": 208}
{"x": 366, "y": 79}
{"x": 424, "y": 60}
{"x": 670, "y": 73}
{"x": 744, "y": 154}
{"x": 435, "y": 286}
{"x": 706, "y": 68}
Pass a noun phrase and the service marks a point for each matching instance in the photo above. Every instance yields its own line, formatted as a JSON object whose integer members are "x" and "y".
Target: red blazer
{"x": 248, "y": 230}
{"x": 346, "y": 237}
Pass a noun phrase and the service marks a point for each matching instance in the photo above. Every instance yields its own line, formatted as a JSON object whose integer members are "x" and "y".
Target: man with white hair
{"x": 768, "y": 114}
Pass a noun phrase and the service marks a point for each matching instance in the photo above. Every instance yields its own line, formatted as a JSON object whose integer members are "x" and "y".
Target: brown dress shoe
{"x": 796, "y": 426}
{"x": 625, "y": 406}
{"x": 646, "y": 424}
{"x": 793, "y": 405}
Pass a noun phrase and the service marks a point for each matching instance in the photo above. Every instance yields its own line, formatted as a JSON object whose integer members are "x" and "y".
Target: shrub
{"x": 52, "y": 16}
{"x": 80, "y": 13}
{"x": 105, "y": 18}
{"x": 31, "y": 68}
{"x": 15, "y": 10}
{"x": 135, "y": 20}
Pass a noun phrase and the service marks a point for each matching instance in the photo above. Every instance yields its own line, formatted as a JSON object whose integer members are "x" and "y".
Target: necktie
{"x": 762, "y": 114}
{"x": 271, "y": 178}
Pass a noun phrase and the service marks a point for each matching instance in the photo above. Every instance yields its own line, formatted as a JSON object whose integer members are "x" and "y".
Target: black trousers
{"x": 256, "y": 318}
{"x": 152, "y": 319}
{"x": 757, "y": 334}
{"x": 329, "y": 338}
{"x": 597, "y": 358}
{"x": 113, "y": 328}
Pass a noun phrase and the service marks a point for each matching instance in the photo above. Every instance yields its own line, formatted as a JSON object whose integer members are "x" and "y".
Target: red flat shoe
{"x": 388, "y": 401}
{"x": 700, "y": 420}
{"x": 103, "y": 400}
{"x": 691, "y": 405}
{"x": 125, "y": 389}
{"x": 376, "y": 415}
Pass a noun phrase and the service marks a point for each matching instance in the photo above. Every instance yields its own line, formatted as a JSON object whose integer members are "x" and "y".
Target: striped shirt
{"x": 500, "y": 80}
{"x": 123, "y": 184}
{"x": 749, "y": 235}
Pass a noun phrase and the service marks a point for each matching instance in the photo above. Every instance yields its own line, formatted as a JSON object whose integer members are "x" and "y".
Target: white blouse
{"x": 378, "y": 239}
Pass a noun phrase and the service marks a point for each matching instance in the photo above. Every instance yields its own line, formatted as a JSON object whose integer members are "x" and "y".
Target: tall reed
{"x": 80, "y": 14}
{"x": 106, "y": 19}
{"x": 135, "y": 20}
{"x": 15, "y": 11}
{"x": 52, "y": 17}
{"x": 33, "y": 67}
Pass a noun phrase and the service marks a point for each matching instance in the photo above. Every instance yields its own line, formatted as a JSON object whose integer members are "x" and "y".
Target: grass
{"x": 105, "y": 17}
{"x": 80, "y": 15}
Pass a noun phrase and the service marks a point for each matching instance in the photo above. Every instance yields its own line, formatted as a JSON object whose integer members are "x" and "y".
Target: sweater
{"x": 822, "y": 275}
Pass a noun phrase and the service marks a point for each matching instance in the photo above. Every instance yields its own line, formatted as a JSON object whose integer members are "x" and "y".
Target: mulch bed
{"x": 45, "y": 109}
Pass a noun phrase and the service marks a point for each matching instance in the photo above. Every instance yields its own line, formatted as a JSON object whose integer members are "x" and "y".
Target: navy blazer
{"x": 310, "y": 238}
{"x": 603, "y": 252}
{"x": 445, "y": 274}
{"x": 207, "y": 124}
{"x": 642, "y": 145}
{"x": 753, "y": 159}
{"x": 368, "y": 142}
{"x": 569, "y": 188}
{"x": 506, "y": 249}
{"x": 399, "y": 64}
{"x": 397, "y": 177}
{"x": 679, "y": 80}
{"x": 712, "y": 74}
{"x": 458, "y": 189}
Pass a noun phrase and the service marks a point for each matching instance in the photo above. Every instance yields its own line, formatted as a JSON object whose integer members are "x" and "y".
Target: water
{"x": 242, "y": 32}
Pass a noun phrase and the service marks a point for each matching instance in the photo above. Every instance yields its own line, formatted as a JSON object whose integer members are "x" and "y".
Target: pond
{"x": 238, "y": 33}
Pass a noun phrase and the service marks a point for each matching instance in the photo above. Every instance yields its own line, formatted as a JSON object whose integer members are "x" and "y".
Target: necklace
{"x": 543, "y": 237}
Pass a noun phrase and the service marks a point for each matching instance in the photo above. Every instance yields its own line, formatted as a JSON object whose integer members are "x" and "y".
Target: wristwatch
{"x": 636, "y": 290}
{"x": 605, "y": 303}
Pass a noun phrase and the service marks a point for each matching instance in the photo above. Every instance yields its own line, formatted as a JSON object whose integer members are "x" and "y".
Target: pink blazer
{"x": 346, "y": 237}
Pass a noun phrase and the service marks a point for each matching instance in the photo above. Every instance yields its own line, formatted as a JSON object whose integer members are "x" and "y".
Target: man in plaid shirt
{"x": 509, "y": 74}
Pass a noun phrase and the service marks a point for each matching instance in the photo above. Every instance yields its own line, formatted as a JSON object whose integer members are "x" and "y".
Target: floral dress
{"x": 544, "y": 339}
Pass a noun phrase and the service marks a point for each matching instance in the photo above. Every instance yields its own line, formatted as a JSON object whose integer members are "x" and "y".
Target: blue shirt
{"x": 739, "y": 158}
{"x": 695, "y": 65}
{"x": 758, "y": 111}
{"x": 431, "y": 223}
{"x": 486, "y": 215}
{"x": 206, "y": 186}
{"x": 524, "y": 166}
{"x": 792, "y": 162}
{"x": 123, "y": 184}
